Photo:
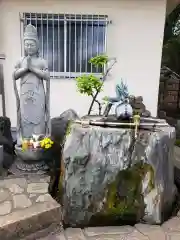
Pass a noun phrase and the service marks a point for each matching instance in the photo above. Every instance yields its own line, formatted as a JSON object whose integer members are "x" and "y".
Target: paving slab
{"x": 26, "y": 207}
{"x": 53, "y": 232}
{"x": 74, "y": 234}
{"x": 151, "y": 231}
{"x": 173, "y": 236}
{"x": 168, "y": 231}
{"x": 172, "y": 225}
{"x": 97, "y": 231}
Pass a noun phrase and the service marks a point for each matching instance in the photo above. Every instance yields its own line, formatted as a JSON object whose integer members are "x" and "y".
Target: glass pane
{"x": 84, "y": 41}
{"x": 96, "y": 38}
{"x": 51, "y": 43}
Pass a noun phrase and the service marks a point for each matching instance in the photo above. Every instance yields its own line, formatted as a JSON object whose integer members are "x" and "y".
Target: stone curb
{"x": 19, "y": 224}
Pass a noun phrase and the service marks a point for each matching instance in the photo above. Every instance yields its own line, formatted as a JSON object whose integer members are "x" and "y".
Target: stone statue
{"x": 138, "y": 106}
{"x": 123, "y": 109}
{"x": 33, "y": 115}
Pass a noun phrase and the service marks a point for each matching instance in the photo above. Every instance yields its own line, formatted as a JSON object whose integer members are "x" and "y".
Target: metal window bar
{"x": 68, "y": 41}
{"x": 65, "y": 45}
{"x": 53, "y": 45}
{"x": 92, "y": 39}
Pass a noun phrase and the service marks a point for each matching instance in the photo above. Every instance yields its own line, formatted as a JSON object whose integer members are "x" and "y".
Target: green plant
{"x": 99, "y": 60}
{"x": 91, "y": 85}
{"x": 88, "y": 84}
{"x": 171, "y": 42}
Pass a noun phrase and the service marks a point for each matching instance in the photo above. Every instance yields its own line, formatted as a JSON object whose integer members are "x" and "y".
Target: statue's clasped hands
{"x": 29, "y": 67}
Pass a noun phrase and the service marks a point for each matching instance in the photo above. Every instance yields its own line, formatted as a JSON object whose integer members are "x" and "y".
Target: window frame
{"x": 63, "y": 74}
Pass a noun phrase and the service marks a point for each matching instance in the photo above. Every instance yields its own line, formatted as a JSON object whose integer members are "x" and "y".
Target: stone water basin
{"x": 111, "y": 178}
{"x": 29, "y": 155}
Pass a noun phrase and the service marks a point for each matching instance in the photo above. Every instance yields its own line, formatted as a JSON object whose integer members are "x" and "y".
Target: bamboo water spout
{"x": 136, "y": 119}
{"x": 119, "y": 124}
{"x": 136, "y": 123}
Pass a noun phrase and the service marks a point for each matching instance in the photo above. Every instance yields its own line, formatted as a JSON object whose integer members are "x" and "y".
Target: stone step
{"x": 26, "y": 207}
{"x": 53, "y": 231}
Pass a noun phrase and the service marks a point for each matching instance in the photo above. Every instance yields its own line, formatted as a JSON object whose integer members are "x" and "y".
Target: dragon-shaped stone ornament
{"x": 123, "y": 109}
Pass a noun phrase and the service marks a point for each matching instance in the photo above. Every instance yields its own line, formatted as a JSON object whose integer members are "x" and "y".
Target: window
{"x": 68, "y": 41}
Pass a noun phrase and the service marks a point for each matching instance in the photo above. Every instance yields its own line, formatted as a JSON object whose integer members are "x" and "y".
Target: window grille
{"x": 68, "y": 41}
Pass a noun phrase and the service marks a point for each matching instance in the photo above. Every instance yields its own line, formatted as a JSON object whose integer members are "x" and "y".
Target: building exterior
{"x": 72, "y": 31}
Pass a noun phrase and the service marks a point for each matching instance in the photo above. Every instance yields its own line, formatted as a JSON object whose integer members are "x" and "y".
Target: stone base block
{"x": 112, "y": 178}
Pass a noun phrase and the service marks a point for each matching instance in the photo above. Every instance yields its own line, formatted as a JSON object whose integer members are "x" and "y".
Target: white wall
{"x": 134, "y": 38}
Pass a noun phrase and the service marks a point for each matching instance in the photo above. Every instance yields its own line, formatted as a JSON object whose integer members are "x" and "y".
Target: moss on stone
{"x": 69, "y": 128}
{"x": 62, "y": 168}
{"x": 124, "y": 198}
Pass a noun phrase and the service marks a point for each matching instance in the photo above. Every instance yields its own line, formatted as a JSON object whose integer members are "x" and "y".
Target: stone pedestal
{"x": 29, "y": 161}
{"x": 20, "y": 167}
{"x": 110, "y": 178}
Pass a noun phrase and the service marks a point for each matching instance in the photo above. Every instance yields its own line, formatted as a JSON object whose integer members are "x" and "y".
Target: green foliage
{"x": 99, "y": 61}
{"x": 172, "y": 24}
{"x": 171, "y": 54}
{"x": 177, "y": 142}
{"x": 105, "y": 98}
{"x": 171, "y": 47}
{"x": 91, "y": 85}
{"x": 88, "y": 84}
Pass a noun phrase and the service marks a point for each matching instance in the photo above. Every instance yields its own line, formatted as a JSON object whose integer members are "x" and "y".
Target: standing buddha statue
{"x": 33, "y": 116}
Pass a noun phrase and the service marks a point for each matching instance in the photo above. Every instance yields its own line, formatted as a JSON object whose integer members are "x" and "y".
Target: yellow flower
{"x": 46, "y": 140}
{"x": 42, "y": 143}
{"x": 46, "y": 143}
{"x": 47, "y": 146}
